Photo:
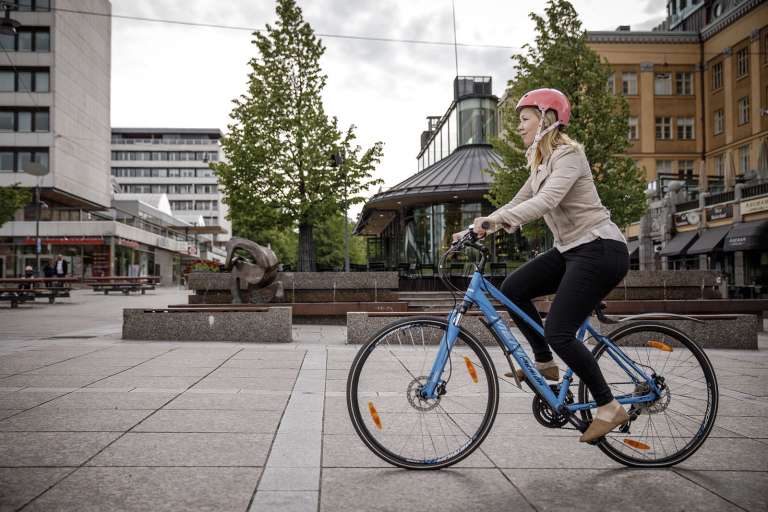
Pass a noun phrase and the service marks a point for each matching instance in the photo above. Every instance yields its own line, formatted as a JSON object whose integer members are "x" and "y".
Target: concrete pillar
{"x": 738, "y": 268}
{"x": 647, "y": 116}
{"x": 755, "y": 104}
{"x": 730, "y": 118}
{"x": 703, "y": 262}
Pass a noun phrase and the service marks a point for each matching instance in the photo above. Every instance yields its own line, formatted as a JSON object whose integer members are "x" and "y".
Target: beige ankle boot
{"x": 601, "y": 426}
{"x": 548, "y": 370}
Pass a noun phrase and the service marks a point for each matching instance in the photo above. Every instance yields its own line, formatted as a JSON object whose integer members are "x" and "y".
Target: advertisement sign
{"x": 686, "y": 219}
{"x": 719, "y": 212}
{"x": 128, "y": 243}
{"x": 754, "y": 205}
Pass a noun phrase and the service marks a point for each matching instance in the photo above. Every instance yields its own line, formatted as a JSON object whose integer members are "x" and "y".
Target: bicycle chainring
{"x": 545, "y": 415}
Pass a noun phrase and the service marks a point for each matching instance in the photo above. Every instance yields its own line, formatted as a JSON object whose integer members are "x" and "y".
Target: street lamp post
{"x": 37, "y": 170}
{"x": 337, "y": 160}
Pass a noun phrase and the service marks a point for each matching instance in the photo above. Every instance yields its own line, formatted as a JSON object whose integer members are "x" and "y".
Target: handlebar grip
{"x": 486, "y": 225}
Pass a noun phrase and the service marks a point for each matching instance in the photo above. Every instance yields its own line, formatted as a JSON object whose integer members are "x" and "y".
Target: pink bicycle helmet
{"x": 547, "y": 99}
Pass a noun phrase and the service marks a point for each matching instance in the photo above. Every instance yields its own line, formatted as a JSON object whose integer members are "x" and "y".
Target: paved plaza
{"x": 91, "y": 422}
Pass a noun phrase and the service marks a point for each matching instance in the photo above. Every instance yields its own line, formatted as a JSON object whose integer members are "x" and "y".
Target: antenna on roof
{"x": 455, "y": 44}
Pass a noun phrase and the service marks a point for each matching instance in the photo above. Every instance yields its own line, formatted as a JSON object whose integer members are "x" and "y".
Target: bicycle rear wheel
{"x": 391, "y": 417}
{"x": 670, "y": 429}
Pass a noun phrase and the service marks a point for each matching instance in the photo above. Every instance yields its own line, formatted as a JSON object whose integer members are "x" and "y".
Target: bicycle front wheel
{"x": 670, "y": 429}
{"x": 395, "y": 421}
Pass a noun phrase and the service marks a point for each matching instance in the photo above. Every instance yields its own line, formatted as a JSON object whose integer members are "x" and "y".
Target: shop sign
{"x": 754, "y": 205}
{"x": 719, "y": 212}
{"x": 191, "y": 250}
{"x": 686, "y": 219}
{"x": 128, "y": 243}
{"x": 65, "y": 241}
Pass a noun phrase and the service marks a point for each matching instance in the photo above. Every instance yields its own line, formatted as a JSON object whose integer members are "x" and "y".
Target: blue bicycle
{"x": 423, "y": 393}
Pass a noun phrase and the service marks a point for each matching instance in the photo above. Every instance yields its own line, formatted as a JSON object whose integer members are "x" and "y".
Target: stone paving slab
{"x": 615, "y": 489}
{"x": 157, "y": 489}
{"x": 48, "y": 449}
{"x": 391, "y": 489}
{"x": 186, "y": 449}
{"x": 20, "y": 485}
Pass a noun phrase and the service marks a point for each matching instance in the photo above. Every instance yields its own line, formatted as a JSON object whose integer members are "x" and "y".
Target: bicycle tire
{"x": 362, "y": 416}
{"x": 639, "y": 451}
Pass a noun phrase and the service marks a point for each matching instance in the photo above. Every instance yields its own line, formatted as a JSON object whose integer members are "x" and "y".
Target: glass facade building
{"x": 412, "y": 222}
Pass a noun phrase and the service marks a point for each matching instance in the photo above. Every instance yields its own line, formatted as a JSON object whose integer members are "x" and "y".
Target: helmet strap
{"x": 530, "y": 153}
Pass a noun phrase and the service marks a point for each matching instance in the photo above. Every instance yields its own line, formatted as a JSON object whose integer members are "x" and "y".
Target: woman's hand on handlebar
{"x": 481, "y": 226}
{"x": 457, "y": 237}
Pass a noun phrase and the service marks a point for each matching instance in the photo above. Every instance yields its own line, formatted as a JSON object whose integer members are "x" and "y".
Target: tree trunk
{"x": 306, "y": 248}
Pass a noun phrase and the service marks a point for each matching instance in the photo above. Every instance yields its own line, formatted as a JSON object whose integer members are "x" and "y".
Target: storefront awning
{"x": 709, "y": 240}
{"x": 632, "y": 246}
{"x": 747, "y": 236}
{"x": 375, "y": 222}
{"x": 678, "y": 245}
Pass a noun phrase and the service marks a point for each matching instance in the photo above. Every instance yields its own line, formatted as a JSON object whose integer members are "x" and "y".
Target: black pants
{"x": 580, "y": 278}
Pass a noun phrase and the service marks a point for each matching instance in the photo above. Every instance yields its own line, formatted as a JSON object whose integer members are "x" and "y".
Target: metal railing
{"x": 721, "y": 197}
{"x": 754, "y": 190}
{"x": 688, "y": 205}
{"x": 193, "y": 142}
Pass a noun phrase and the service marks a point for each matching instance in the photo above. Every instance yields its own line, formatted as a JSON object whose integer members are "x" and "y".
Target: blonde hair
{"x": 550, "y": 140}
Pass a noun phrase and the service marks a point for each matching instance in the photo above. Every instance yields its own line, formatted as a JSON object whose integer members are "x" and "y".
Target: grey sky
{"x": 180, "y": 76}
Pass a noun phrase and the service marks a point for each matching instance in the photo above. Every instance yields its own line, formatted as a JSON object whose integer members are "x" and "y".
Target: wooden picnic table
{"x": 37, "y": 280}
{"x": 123, "y": 284}
{"x": 122, "y": 279}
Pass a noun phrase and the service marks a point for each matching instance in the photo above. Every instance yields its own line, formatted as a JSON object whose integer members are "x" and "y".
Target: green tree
{"x": 561, "y": 59}
{"x": 330, "y": 243}
{"x": 11, "y": 199}
{"x": 279, "y": 174}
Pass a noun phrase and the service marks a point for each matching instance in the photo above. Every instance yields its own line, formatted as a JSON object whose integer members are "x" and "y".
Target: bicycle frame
{"x": 476, "y": 295}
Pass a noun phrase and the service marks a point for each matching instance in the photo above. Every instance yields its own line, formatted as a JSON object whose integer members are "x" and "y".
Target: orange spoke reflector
{"x": 636, "y": 444}
{"x": 660, "y": 345}
{"x": 375, "y": 416}
{"x": 471, "y": 369}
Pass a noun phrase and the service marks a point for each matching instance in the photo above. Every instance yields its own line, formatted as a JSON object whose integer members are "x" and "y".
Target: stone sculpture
{"x": 253, "y": 268}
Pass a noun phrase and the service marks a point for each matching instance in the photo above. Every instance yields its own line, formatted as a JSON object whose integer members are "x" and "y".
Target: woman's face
{"x": 529, "y": 122}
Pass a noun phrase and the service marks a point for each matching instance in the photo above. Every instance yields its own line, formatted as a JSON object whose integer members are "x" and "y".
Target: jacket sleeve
{"x": 524, "y": 194}
{"x": 565, "y": 171}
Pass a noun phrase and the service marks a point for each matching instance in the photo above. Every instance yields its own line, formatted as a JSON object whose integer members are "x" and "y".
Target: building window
{"x": 663, "y": 128}
{"x": 719, "y": 122}
{"x": 662, "y": 84}
{"x": 720, "y": 165}
{"x": 634, "y": 132}
{"x": 15, "y": 159}
{"x": 611, "y": 84}
{"x": 685, "y": 128}
{"x": 629, "y": 84}
{"x": 182, "y": 205}
{"x": 12, "y": 120}
{"x": 24, "y": 80}
{"x": 685, "y": 170}
{"x": 663, "y": 167}
{"x": 685, "y": 84}
{"x": 32, "y": 5}
{"x": 717, "y": 76}
{"x": 743, "y": 110}
{"x": 743, "y": 159}
{"x": 26, "y": 40}
{"x": 742, "y": 63}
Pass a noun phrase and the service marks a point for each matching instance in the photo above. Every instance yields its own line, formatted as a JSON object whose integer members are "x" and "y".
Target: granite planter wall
{"x": 262, "y": 325}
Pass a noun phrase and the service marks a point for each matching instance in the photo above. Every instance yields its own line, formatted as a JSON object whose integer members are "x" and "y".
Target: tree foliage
{"x": 279, "y": 173}
{"x": 11, "y": 199}
{"x": 561, "y": 59}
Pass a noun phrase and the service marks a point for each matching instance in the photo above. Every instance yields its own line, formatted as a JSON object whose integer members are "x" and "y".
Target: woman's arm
{"x": 565, "y": 171}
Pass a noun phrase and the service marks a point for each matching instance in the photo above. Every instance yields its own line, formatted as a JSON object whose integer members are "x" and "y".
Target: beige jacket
{"x": 563, "y": 192}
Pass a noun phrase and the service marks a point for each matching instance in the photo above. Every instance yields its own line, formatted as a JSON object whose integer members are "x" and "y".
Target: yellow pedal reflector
{"x": 375, "y": 416}
{"x": 471, "y": 369}
{"x": 660, "y": 345}
{"x": 636, "y": 444}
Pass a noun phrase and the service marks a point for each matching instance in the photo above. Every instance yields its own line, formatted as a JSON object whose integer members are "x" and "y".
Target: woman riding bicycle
{"x": 588, "y": 260}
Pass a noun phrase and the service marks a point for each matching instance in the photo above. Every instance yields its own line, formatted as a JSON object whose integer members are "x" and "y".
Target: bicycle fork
{"x": 433, "y": 388}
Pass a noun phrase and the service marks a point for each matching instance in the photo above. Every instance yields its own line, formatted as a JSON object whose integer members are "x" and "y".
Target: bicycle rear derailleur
{"x": 545, "y": 415}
